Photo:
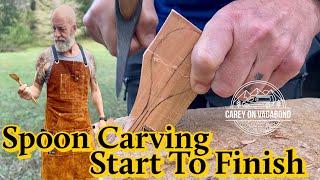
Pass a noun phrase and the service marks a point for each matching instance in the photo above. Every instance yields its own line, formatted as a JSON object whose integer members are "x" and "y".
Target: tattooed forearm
{"x": 41, "y": 67}
{"x": 38, "y": 78}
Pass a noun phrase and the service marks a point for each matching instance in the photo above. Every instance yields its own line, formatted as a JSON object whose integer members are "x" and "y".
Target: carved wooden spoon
{"x": 17, "y": 78}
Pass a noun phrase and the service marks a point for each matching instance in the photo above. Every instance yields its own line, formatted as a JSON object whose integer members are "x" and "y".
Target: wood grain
{"x": 164, "y": 93}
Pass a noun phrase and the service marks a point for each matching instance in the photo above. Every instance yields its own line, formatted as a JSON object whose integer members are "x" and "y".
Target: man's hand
{"x": 254, "y": 40}
{"x": 100, "y": 22}
{"x": 25, "y": 92}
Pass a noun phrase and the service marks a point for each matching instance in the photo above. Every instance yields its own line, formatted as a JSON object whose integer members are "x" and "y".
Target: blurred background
{"x": 25, "y": 31}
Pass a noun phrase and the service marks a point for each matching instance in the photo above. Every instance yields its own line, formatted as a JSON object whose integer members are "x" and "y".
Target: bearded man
{"x": 69, "y": 71}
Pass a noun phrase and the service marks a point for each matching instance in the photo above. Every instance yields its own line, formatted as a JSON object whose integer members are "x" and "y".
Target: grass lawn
{"x": 30, "y": 117}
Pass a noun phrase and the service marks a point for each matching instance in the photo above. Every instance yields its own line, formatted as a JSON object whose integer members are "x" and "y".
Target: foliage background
{"x": 29, "y": 20}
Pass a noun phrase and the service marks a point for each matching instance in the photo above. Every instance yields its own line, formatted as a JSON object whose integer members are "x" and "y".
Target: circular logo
{"x": 258, "y": 108}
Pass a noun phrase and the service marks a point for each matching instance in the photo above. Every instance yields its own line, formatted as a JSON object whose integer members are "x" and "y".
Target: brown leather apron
{"x": 67, "y": 110}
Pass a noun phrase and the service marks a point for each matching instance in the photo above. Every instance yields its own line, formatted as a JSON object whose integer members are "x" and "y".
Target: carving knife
{"x": 127, "y": 15}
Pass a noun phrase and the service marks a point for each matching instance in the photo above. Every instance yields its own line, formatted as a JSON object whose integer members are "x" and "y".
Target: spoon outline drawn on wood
{"x": 17, "y": 78}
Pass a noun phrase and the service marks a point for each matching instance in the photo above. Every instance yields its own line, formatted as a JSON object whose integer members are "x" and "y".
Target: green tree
{"x": 83, "y": 5}
{"x": 9, "y": 14}
{"x": 27, "y": 22}
{"x": 14, "y": 24}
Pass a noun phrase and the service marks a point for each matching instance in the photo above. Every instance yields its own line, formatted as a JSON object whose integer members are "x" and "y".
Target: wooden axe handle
{"x": 127, "y": 8}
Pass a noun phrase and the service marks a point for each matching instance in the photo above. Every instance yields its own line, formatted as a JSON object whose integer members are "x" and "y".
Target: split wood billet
{"x": 164, "y": 93}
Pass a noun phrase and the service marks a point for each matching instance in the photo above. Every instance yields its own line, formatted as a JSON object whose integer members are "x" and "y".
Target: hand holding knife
{"x": 127, "y": 15}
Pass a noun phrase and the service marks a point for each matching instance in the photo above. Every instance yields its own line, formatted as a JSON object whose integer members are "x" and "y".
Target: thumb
{"x": 209, "y": 52}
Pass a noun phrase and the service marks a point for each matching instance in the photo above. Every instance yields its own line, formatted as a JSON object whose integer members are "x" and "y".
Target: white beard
{"x": 64, "y": 46}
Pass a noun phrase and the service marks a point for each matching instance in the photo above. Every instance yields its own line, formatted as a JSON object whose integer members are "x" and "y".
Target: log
{"x": 301, "y": 133}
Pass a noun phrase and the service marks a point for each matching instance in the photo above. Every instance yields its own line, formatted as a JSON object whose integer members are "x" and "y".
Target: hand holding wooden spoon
{"x": 23, "y": 91}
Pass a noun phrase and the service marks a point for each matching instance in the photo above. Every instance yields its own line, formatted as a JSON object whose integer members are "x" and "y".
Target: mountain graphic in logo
{"x": 247, "y": 96}
{"x": 256, "y": 98}
{"x": 261, "y": 108}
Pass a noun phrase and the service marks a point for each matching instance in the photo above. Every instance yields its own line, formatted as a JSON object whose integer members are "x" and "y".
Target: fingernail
{"x": 200, "y": 89}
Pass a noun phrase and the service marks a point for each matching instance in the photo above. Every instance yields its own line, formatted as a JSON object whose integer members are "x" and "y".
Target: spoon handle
{"x": 34, "y": 100}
